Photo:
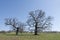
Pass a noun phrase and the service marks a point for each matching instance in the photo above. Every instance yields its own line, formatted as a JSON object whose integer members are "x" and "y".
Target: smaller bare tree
{"x": 16, "y": 25}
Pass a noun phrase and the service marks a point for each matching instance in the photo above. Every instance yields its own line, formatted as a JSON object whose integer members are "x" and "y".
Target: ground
{"x": 30, "y": 36}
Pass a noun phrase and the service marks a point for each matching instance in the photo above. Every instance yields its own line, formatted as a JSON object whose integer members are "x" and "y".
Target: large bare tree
{"x": 39, "y": 20}
{"x": 16, "y": 25}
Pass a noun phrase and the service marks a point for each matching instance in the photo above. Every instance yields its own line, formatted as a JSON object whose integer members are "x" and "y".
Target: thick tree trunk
{"x": 17, "y": 31}
{"x": 36, "y": 28}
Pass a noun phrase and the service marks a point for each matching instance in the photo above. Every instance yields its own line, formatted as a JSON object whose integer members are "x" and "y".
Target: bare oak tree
{"x": 16, "y": 25}
{"x": 39, "y": 21}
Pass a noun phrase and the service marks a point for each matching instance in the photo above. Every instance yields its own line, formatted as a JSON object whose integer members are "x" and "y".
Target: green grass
{"x": 29, "y": 36}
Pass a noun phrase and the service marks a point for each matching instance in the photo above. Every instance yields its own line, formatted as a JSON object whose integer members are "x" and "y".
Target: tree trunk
{"x": 36, "y": 28}
{"x": 17, "y": 31}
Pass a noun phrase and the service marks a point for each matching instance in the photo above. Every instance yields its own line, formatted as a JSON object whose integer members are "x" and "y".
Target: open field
{"x": 29, "y": 36}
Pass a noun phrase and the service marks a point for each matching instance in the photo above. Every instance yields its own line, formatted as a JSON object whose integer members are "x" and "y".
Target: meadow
{"x": 30, "y": 36}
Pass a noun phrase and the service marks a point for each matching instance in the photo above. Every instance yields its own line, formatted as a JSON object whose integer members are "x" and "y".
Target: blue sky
{"x": 21, "y": 8}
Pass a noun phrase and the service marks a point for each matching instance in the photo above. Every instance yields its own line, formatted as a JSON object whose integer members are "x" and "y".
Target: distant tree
{"x": 16, "y": 25}
{"x": 39, "y": 21}
{"x": 21, "y": 27}
{"x": 31, "y": 30}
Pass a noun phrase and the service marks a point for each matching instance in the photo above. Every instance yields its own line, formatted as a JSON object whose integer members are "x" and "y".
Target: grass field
{"x": 29, "y": 36}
